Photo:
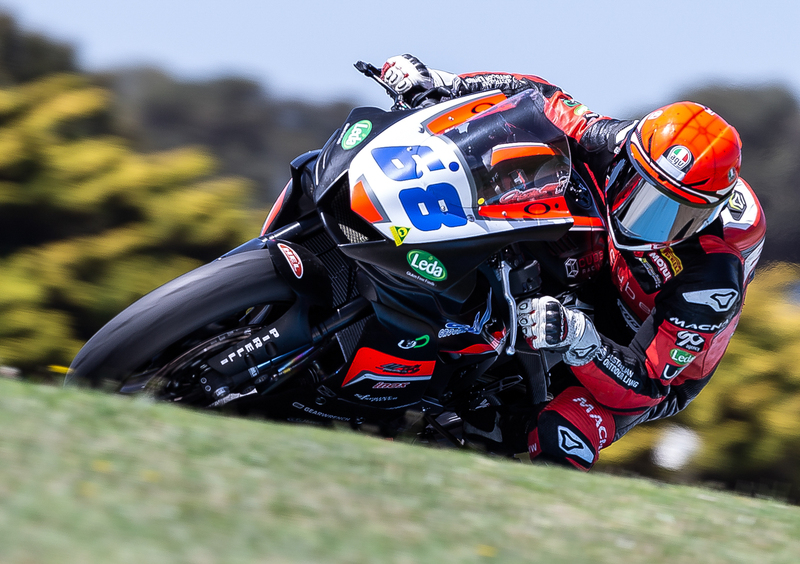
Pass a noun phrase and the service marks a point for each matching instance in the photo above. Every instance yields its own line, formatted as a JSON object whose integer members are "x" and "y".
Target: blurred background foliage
{"x": 112, "y": 184}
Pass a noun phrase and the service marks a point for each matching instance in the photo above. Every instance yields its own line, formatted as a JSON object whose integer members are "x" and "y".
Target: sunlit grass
{"x": 93, "y": 478}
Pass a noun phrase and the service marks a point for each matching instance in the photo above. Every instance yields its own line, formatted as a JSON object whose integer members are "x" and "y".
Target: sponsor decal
{"x": 356, "y": 134}
{"x": 705, "y": 327}
{"x": 291, "y": 257}
{"x": 719, "y": 300}
{"x": 390, "y": 385}
{"x": 573, "y": 445}
{"x": 570, "y": 103}
{"x": 681, "y": 358}
{"x": 676, "y": 161}
{"x": 737, "y": 205}
{"x": 630, "y": 320}
{"x": 680, "y": 157}
{"x": 655, "y": 114}
{"x": 661, "y": 263}
{"x": 674, "y": 262}
{"x": 397, "y": 368}
{"x": 516, "y": 196}
{"x": 250, "y": 346}
{"x": 571, "y": 265}
{"x": 311, "y": 411}
{"x": 671, "y": 371}
{"x": 618, "y": 369}
{"x": 367, "y": 397}
{"x": 584, "y": 265}
{"x": 598, "y": 419}
{"x": 690, "y": 341}
{"x": 399, "y": 234}
{"x": 537, "y": 208}
{"x": 651, "y": 271}
{"x": 451, "y": 328}
{"x": 426, "y": 265}
{"x": 370, "y": 364}
{"x": 417, "y": 343}
{"x": 731, "y": 175}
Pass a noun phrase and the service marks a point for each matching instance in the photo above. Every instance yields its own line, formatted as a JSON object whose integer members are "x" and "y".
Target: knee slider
{"x": 562, "y": 441}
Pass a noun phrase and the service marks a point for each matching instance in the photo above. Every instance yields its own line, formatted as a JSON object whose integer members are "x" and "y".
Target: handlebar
{"x": 374, "y": 73}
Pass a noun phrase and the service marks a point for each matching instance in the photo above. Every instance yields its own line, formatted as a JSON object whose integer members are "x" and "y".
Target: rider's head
{"x": 677, "y": 173}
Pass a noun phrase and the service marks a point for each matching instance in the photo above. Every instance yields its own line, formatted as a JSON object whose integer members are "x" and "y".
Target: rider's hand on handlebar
{"x": 546, "y": 324}
{"x": 405, "y": 72}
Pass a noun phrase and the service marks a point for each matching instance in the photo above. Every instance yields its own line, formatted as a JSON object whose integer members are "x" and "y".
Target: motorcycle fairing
{"x": 459, "y": 257}
{"x": 334, "y": 160}
{"x": 376, "y": 366}
{"x": 460, "y": 113}
{"x": 427, "y": 184}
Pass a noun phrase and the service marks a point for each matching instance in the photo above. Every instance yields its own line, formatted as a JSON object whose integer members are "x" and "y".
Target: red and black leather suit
{"x": 681, "y": 304}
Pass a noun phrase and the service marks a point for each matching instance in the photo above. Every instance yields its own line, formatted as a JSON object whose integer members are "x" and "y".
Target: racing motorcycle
{"x": 385, "y": 278}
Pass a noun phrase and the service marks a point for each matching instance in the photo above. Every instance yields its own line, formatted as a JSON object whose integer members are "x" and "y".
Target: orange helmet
{"x": 678, "y": 172}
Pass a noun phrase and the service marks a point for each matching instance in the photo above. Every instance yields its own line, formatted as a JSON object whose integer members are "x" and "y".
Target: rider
{"x": 686, "y": 233}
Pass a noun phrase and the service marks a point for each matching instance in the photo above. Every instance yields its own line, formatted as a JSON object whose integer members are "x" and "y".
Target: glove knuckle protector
{"x": 546, "y": 323}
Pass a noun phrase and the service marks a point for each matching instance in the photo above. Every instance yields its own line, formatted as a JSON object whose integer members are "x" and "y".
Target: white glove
{"x": 405, "y": 72}
{"x": 546, "y": 324}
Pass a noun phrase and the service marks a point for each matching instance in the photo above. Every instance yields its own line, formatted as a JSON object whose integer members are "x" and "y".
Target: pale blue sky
{"x": 618, "y": 57}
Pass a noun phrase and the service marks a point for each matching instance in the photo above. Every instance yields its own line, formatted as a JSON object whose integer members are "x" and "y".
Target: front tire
{"x": 210, "y": 297}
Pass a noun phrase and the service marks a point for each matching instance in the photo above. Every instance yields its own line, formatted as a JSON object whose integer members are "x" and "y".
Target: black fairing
{"x": 334, "y": 160}
{"x": 313, "y": 283}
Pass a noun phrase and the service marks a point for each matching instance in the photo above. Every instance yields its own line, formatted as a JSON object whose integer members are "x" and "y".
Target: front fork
{"x": 267, "y": 361}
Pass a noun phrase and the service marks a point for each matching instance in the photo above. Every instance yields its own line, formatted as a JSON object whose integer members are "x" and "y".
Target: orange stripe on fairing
{"x": 362, "y": 205}
{"x": 462, "y": 113}
{"x": 516, "y": 151}
{"x": 587, "y": 221}
{"x": 547, "y": 208}
{"x": 276, "y": 207}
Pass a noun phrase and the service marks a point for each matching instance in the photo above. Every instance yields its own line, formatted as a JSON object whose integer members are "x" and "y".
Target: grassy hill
{"x": 91, "y": 478}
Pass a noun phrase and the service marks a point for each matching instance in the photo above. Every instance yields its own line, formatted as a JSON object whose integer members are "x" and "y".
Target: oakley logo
{"x": 718, "y": 300}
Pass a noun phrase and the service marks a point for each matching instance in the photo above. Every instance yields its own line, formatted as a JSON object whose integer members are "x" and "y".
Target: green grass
{"x": 90, "y": 478}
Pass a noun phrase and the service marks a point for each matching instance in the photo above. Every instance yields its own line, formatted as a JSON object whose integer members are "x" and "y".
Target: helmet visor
{"x": 644, "y": 217}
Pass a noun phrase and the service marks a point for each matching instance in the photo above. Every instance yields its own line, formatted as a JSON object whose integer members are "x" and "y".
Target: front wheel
{"x": 165, "y": 336}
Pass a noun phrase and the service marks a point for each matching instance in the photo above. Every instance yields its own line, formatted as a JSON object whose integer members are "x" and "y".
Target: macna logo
{"x": 426, "y": 265}
{"x": 356, "y": 133}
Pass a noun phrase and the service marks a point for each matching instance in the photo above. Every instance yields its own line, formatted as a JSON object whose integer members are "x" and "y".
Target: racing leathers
{"x": 680, "y": 304}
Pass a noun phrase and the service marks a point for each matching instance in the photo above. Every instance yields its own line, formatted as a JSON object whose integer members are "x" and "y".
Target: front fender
{"x": 176, "y": 309}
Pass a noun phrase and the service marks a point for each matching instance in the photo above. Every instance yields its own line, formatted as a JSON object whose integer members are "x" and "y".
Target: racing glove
{"x": 546, "y": 324}
{"x": 406, "y": 72}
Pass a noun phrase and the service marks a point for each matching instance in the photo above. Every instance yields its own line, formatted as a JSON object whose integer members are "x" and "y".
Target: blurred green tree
{"x": 251, "y": 133}
{"x": 87, "y": 225}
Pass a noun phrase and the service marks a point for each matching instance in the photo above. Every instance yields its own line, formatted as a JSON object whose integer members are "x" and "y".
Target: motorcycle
{"x": 385, "y": 278}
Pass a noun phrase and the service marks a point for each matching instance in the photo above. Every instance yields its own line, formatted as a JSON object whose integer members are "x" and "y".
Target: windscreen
{"x": 515, "y": 154}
